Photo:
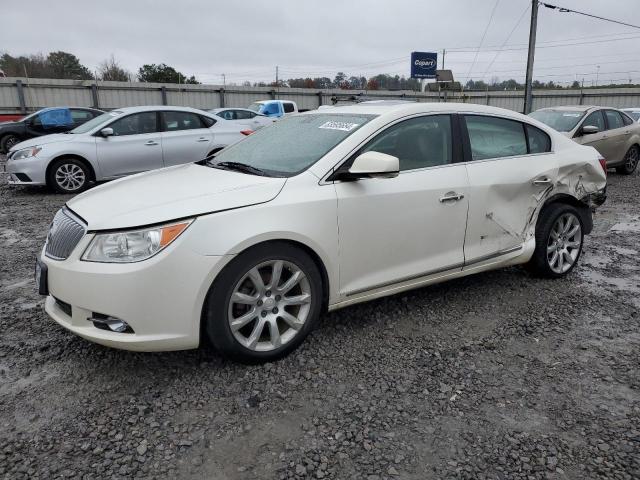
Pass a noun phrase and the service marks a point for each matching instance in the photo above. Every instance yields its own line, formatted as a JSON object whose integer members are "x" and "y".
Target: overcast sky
{"x": 246, "y": 39}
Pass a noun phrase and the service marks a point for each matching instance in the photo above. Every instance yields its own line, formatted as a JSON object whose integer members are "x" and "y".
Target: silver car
{"x": 118, "y": 143}
{"x": 244, "y": 116}
{"x": 610, "y": 131}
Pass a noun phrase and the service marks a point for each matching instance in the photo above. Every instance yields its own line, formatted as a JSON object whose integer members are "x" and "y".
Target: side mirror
{"x": 375, "y": 165}
{"x": 590, "y": 129}
{"x": 106, "y": 132}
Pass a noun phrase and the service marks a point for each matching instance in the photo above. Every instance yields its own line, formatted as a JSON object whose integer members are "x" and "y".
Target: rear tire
{"x": 559, "y": 239}
{"x": 252, "y": 318}
{"x": 8, "y": 141}
{"x": 68, "y": 175}
{"x": 630, "y": 161}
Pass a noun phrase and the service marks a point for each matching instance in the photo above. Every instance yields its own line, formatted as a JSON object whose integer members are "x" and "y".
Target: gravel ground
{"x": 495, "y": 376}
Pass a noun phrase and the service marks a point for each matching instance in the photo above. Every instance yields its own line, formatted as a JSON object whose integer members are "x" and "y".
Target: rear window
{"x": 288, "y": 107}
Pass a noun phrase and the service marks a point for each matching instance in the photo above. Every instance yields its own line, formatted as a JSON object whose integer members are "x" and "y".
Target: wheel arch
{"x": 315, "y": 257}
{"x": 583, "y": 208}
{"x": 92, "y": 171}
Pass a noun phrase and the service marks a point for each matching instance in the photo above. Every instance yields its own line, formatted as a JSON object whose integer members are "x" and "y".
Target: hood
{"x": 53, "y": 138}
{"x": 171, "y": 193}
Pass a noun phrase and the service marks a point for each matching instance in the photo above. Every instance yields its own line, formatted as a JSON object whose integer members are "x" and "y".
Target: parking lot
{"x": 498, "y": 375}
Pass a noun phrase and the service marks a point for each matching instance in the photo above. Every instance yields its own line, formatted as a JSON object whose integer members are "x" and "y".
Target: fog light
{"x": 113, "y": 324}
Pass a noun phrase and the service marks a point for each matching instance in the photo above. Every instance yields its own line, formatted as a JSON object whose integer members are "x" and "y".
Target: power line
{"x": 505, "y": 41}
{"x": 484, "y": 34}
{"x": 568, "y": 10}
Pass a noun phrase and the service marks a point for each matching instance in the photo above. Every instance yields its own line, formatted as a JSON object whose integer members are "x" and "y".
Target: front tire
{"x": 264, "y": 303}
{"x": 559, "y": 239}
{"x": 630, "y": 161}
{"x": 69, "y": 175}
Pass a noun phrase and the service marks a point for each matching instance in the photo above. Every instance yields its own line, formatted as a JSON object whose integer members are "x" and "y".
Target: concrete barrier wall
{"x": 22, "y": 95}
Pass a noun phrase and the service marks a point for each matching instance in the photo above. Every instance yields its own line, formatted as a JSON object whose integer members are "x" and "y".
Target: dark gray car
{"x": 44, "y": 122}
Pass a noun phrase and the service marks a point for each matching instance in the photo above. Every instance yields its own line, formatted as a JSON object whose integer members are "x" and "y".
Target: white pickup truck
{"x": 274, "y": 108}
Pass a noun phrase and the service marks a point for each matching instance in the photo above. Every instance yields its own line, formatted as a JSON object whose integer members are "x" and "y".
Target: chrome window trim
{"x": 324, "y": 181}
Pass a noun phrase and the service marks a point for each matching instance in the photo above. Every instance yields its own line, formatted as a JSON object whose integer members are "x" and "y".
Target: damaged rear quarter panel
{"x": 504, "y": 201}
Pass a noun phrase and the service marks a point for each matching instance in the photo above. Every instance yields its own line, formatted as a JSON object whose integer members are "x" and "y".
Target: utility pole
{"x": 530, "y": 56}
{"x": 276, "y": 76}
{"x": 597, "y": 74}
{"x": 224, "y": 80}
{"x": 443, "y": 53}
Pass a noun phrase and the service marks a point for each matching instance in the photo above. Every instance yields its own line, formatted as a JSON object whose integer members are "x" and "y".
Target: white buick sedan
{"x": 321, "y": 210}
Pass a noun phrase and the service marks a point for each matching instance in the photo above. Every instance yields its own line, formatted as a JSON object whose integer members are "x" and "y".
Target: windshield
{"x": 292, "y": 145}
{"x": 560, "y": 120}
{"x": 99, "y": 120}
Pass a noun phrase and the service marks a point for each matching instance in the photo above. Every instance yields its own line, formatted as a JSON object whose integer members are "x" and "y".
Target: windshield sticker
{"x": 344, "y": 126}
{"x": 571, "y": 114}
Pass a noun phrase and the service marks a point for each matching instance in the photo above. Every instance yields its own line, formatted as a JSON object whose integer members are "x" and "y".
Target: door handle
{"x": 451, "y": 197}
{"x": 151, "y": 142}
{"x": 542, "y": 181}
{"x": 202, "y": 139}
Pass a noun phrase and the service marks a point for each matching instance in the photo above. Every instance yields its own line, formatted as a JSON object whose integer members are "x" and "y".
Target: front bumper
{"x": 160, "y": 299}
{"x": 29, "y": 171}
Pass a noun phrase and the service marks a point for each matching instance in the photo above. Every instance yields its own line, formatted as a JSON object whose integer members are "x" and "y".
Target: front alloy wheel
{"x": 564, "y": 243}
{"x": 269, "y": 305}
{"x": 68, "y": 175}
{"x": 264, "y": 303}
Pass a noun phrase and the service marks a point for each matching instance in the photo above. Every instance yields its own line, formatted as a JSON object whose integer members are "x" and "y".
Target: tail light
{"x": 603, "y": 163}
{"x": 246, "y": 132}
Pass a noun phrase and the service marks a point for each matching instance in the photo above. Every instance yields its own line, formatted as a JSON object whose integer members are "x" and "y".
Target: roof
{"x": 154, "y": 108}
{"x": 216, "y": 110}
{"x": 383, "y": 107}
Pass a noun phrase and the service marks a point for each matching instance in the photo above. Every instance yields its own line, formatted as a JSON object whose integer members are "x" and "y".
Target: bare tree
{"x": 110, "y": 70}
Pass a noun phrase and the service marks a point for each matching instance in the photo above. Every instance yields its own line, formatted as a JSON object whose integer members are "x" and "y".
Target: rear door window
{"x": 614, "y": 119}
{"x": 244, "y": 115}
{"x": 288, "y": 107}
{"x": 173, "y": 121}
{"x": 494, "y": 137}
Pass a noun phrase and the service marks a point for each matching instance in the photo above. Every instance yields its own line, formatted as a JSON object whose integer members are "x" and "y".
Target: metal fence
{"x": 22, "y": 95}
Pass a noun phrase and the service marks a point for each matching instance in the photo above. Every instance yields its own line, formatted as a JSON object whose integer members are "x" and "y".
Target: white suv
{"x": 118, "y": 143}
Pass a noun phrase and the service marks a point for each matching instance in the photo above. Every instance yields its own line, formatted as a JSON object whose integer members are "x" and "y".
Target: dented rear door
{"x": 506, "y": 185}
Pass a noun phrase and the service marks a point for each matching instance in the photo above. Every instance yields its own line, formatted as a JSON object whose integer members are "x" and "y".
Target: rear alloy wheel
{"x": 7, "y": 142}
{"x": 564, "y": 243}
{"x": 559, "y": 238}
{"x": 69, "y": 175}
{"x": 630, "y": 161}
{"x": 264, "y": 304}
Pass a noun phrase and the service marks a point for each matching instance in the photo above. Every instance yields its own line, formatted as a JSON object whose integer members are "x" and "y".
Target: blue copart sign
{"x": 424, "y": 64}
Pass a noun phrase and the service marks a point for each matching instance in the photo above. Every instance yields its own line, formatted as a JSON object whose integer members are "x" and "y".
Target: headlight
{"x": 134, "y": 245}
{"x": 26, "y": 153}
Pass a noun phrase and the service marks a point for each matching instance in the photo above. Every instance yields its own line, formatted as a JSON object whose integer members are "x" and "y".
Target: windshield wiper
{"x": 240, "y": 167}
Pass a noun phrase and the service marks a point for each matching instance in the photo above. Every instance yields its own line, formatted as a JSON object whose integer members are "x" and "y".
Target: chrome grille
{"x": 64, "y": 234}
